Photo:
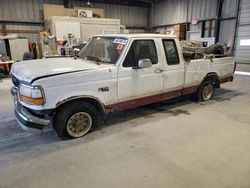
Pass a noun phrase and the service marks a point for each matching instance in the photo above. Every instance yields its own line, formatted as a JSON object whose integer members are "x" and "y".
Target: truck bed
{"x": 196, "y": 70}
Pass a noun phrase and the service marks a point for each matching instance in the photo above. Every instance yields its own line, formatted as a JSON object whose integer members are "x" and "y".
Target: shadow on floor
{"x": 170, "y": 108}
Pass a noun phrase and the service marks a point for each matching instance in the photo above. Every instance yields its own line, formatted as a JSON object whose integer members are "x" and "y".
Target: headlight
{"x": 31, "y": 94}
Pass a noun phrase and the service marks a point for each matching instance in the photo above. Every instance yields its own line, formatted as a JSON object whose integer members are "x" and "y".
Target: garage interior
{"x": 175, "y": 143}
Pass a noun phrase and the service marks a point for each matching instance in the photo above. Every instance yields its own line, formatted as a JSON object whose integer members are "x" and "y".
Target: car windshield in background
{"x": 103, "y": 49}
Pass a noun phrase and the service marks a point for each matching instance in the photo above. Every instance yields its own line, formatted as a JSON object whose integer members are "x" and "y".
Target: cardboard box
{"x": 50, "y": 10}
{"x": 179, "y": 28}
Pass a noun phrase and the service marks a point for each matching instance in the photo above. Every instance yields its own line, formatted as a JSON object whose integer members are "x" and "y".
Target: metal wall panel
{"x": 23, "y": 27}
{"x": 227, "y": 27}
{"x": 171, "y": 12}
{"x": 24, "y": 10}
{"x": 202, "y": 9}
{"x": 242, "y": 51}
{"x": 129, "y": 16}
{"x": 32, "y": 37}
{"x": 31, "y": 10}
{"x": 229, "y": 8}
{"x": 227, "y": 30}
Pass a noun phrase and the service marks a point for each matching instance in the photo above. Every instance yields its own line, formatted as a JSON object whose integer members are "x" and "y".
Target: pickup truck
{"x": 111, "y": 73}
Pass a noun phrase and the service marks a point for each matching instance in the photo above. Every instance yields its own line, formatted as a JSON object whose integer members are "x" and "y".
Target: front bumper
{"x": 26, "y": 119}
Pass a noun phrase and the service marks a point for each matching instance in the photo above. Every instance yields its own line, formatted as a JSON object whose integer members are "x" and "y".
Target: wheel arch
{"x": 214, "y": 77}
{"x": 100, "y": 107}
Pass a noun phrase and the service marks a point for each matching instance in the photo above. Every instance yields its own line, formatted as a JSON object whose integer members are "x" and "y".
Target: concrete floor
{"x": 172, "y": 144}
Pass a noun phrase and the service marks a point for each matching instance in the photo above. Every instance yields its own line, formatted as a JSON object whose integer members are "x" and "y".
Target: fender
{"x": 100, "y": 104}
{"x": 212, "y": 74}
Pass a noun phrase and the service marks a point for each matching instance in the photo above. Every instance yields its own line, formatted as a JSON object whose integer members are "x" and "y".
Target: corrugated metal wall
{"x": 202, "y": 9}
{"x": 228, "y": 26}
{"x": 129, "y": 16}
{"x": 24, "y": 10}
{"x": 33, "y": 37}
{"x": 31, "y": 11}
{"x": 227, "y": 31}
{"x": 229, "y": 8}
{"x": 167, "y": 12}
{"x": 243, "y": 50}
{"x": 171, "y": 12}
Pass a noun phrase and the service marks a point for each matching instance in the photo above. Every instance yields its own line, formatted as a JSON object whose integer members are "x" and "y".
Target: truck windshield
{"x": 103, "y": 49}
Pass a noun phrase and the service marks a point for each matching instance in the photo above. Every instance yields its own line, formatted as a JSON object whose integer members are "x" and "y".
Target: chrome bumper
{"x": 27, "y": 120}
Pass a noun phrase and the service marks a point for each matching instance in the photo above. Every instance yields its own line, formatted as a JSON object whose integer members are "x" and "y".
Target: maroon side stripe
{"x": 126, "y": 105}
{"x": 154, "y": 98}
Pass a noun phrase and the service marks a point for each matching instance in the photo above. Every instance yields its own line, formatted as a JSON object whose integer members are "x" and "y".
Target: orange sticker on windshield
{"x": 119, "y": 46}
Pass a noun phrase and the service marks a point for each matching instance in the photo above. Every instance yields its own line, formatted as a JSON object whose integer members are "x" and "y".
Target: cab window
{"x": 171, "y": 52}
{"x": 141, "y": 49}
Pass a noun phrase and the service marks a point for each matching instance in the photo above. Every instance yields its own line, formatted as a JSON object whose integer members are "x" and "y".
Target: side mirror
{"x": 143, "y": 63}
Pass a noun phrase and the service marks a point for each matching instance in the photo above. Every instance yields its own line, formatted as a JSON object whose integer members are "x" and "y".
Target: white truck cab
{"x": 112, "y": 73}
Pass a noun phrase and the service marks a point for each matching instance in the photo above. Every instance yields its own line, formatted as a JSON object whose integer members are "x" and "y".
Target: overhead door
{"x": 243, "y": 35}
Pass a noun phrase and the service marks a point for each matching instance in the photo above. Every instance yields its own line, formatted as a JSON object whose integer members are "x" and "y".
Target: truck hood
{"x": 27, "y": 71}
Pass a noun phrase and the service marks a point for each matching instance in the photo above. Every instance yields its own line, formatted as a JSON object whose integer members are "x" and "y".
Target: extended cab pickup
{"x": 111, "y": 73}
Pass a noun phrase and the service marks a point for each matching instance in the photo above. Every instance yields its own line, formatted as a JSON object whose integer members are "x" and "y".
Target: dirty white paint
{"x": 123, "y": 83}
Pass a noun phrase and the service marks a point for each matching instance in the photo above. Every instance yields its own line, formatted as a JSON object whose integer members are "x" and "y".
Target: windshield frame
{"x": 109, "y": 37}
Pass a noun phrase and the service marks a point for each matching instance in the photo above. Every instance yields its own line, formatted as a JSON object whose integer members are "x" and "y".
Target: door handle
{"x": 157, "y": 71}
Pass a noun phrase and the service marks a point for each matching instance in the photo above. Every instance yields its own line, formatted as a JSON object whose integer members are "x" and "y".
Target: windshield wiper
{"x": 96, "y": 59}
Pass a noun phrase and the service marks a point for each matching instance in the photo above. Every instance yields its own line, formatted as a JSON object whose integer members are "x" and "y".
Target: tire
{"x": 215, "y": 49}
{"x": 205, "y": 91}
{"x": 74, "y": 120}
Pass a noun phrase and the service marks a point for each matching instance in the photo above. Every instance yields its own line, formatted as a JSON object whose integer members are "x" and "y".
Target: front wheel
{"x": 74, "y": 120}
{"x": 206, "y": 91}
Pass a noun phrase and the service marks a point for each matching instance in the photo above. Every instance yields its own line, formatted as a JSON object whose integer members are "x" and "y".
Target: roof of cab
{"x": 140, "y": 35}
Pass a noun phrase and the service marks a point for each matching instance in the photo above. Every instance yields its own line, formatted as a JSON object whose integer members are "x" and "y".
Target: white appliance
{"x": 82, "y": 28}
{"x": 63, "y": 28}
{"x": 209, "y": 40}
{"x": 18, "y": 47}
{"x": 194, "y": 35}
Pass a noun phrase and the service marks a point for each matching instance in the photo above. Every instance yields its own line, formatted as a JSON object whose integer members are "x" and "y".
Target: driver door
{"x": 137, "y": 87}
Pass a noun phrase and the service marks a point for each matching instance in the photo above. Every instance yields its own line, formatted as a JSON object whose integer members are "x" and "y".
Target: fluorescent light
{"x": 245, "y": 42}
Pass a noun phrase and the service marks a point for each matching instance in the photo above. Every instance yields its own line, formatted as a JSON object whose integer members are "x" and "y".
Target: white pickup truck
{"x": 111, "y": 73}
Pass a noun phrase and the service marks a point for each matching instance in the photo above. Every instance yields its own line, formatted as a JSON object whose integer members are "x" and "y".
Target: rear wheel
{"x": 206, "y": 91}
{"x": 74, "y": 120}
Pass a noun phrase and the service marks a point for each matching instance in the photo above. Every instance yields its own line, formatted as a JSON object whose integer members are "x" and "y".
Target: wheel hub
{"x": 79, "y": 124}
{"x": 207, "y": 92}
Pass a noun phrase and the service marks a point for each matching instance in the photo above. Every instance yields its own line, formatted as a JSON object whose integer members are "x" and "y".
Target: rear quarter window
{"x": 171, "y": 52}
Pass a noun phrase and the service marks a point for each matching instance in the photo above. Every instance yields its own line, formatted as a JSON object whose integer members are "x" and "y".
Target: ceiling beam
{"x": 137, "y": 3}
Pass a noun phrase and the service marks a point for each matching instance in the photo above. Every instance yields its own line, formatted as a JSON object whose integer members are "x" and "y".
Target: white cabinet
{"x": 18, "y": 47}
{"x": 63, "y": 28}
{"x": 81, "y": 28}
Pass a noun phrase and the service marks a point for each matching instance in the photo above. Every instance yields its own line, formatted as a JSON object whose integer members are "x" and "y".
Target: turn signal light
{"x": 38, "y": 101}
